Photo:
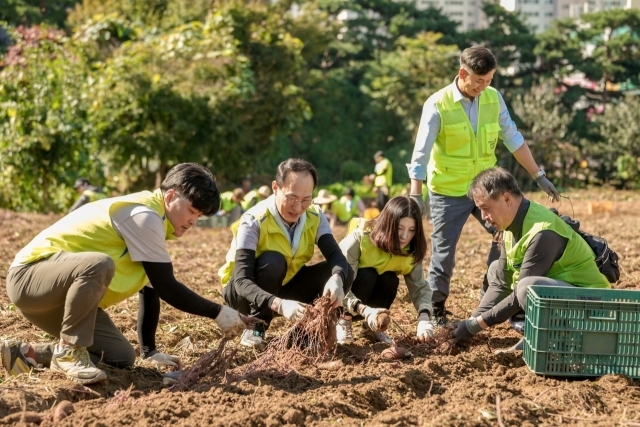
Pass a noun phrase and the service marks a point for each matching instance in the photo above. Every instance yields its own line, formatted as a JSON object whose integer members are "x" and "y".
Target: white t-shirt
{"x": 142, "y": 230}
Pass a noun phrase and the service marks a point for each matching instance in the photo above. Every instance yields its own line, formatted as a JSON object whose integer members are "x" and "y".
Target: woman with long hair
{"x": 379, "y": 251}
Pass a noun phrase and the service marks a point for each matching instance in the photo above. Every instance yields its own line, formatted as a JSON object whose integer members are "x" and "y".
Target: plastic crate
{"x": 582, "y": 332}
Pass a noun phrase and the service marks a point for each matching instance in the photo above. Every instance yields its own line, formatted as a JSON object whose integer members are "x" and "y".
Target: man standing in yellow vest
{"x": 382, "y": 178}
{"x": 538, "y": 248}
{"x": 98, "y": 256}
{"x": 459, "y": 130}
{"x": 265, "y": 272}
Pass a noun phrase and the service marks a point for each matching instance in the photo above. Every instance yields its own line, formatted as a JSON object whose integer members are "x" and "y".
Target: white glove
{"x": 163, "y": 359}
{"x": 230, "y": 321}
{"x": 371, "y": 316}
{"x": 292, "y": 310}
{"x": 334, "y": 289}
{"x": 426, "y": 329}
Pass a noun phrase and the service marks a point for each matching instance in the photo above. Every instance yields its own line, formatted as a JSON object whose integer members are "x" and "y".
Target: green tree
{"x": 34, "y": 12}
{"x": 617, "y": 152}
{"x": 45, "y": 137}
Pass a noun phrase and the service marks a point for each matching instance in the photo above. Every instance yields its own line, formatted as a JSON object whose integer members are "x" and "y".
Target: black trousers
{"x": 381, "y": 198}
{"x": 375, "y": 290}
{"x": 269, "y": 273}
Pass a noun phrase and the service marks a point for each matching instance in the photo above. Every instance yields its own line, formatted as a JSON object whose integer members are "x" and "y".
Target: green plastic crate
{"x": 582, "y": 332}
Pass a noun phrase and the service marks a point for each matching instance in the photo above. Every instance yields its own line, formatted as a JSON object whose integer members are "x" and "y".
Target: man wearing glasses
{"x": 265, "y": 272}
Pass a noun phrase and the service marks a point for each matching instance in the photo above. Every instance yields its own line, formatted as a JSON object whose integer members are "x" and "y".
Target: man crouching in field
{"x": 98, "y": 256}
{"x": 537, "y": 248}
{"x": 265, "y": 271}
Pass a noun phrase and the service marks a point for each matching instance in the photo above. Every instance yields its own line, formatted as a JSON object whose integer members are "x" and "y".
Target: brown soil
{"x": 359, "y": 387}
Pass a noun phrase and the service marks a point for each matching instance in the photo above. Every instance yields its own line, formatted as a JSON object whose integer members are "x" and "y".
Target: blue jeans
{"x": 449, "y": 214}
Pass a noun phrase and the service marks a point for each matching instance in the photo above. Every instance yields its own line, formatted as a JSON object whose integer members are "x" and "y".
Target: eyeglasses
{"x": 294, "y": 201}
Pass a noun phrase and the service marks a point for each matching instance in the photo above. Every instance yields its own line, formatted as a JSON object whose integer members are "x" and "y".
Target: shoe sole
{"x": 101, "y": 376}
{"x": 19, "y": 365}
{"x": 258, "y": 347}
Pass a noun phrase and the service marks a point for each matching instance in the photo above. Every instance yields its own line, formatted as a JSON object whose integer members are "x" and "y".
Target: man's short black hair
{"x": 478, "y": 59}
{"x": 295, "y": 165}
{"x": 196, "y": 183}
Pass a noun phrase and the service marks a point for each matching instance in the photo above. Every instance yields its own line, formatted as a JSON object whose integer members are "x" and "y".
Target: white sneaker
{"x": 75, "y": 363}
{"x": 344, "y": 331}
{"x": 378, "y": 336}
{"x": 254, "y": 339}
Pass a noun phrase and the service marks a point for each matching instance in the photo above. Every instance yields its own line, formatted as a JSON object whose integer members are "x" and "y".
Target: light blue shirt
{"x": 430, "y": 127}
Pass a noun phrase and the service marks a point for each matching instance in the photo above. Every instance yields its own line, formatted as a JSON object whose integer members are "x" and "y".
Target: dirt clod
{"x": 383, "y": 321}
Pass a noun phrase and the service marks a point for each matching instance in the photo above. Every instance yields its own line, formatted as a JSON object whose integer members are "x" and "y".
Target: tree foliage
{"x": 129, "y": 88}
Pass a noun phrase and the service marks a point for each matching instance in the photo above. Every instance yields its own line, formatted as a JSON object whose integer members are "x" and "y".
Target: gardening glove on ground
{"x": 371, "y": 316}
{"x": 163, "y": 359}
{"x": 292, "y": 310}
{"x": 548, "y": 188}
{"x": 420, "y": 201}
{"x": 230, "y": 321}
{"x": 334, "y": 289}
{"x": 466, "y": 330}
{"x": 426, "y": 329}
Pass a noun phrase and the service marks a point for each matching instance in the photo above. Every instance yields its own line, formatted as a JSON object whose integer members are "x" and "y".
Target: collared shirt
{"x": 545, "y": 248}
{"x": 248, "y": 233}
{"x": 430, "y": 127}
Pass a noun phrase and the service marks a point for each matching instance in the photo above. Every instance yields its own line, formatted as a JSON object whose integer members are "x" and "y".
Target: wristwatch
{"x": 539, "y": 174}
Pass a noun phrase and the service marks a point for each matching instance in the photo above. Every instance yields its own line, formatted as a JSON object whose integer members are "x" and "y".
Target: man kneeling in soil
{"x": 265, "y": 270}
{"x": 537, "y": 248}
{"x": 98, "y": 256}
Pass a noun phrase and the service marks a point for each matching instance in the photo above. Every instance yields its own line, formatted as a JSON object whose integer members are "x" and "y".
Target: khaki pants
{"x": 60, "y": 295}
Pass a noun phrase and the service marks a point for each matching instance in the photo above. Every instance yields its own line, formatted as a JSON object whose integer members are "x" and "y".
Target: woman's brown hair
{"x": 384, "y": 228}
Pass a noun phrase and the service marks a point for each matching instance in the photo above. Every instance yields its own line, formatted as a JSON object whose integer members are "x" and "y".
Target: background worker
{"x": 231, "y": 204}
{"x": 266, "y": 269}
{"x": 98, "y": 256}
{"x": 459, "y": 130}
{"x": 254, "y": 196}
{"x": 382, "y": 178}
{"x": 537, "y": 248}
{"x": 325, "y": 200}
{"x": 88, "y": 193}
{"x": 348, "y": 206}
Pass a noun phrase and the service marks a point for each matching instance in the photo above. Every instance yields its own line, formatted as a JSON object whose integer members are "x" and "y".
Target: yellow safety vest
{"x": 458, "y": 154}
{"x": 249, "y": 198}
{"x": 90, "y": 230}
{"x": 226, "y": 202}
{"x": 372, "y": 256}
{"x": 273, "y": 239}
{"x": 339, "y": 208}
{"x": 94, "y": 195}
{"x": 577, "y": 264}
{"x": 384, "y": 173}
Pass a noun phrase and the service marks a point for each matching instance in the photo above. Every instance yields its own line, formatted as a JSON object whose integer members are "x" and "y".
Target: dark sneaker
{"x": 440, "y": 315}
{"x": 517, "y": 322}
{"x": 75, "y": 363}
{"x": 254, "y": 339}
{"x": 14, "y": 360}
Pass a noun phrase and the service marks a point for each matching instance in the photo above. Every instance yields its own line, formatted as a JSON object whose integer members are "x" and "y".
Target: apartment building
{"x": 467, "y": 12}
{"x": 540, "y": 13}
